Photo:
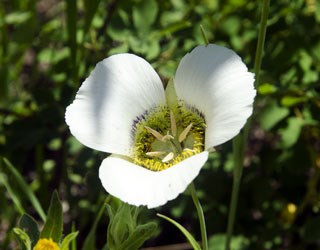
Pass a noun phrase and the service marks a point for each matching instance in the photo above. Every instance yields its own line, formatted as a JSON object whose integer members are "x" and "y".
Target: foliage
{"x": 48, "y": 47}
{"x": 29, "y": 235}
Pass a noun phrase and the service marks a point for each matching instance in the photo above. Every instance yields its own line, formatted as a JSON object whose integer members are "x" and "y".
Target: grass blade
{"x": 25, "y": 188}
{"x": 190, "y": 238}
{"x": 90, "y": 7}
{"x": 15, "y": 199}
{"x": 3, "y": 56}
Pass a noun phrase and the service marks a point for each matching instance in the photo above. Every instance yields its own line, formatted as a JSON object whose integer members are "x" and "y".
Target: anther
{"x": 155, "y": 133}
{"x": 168, "y": 157}
{"x": 184, "y": 133}
{"x": 155, "y": 153}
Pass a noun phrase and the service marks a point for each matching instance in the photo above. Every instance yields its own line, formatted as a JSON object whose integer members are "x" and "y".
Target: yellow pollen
{"x": 46, "y": 244}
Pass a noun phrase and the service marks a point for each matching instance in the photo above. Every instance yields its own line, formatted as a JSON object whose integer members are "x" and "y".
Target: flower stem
{"x": 238, "y": 151}
{"x": 240, "y": 142}
{"x": 200, "y": 216}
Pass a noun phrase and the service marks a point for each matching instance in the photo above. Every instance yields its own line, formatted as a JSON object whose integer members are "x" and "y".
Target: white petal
{"x": 139, "y": 186}
{"x": 119, "y": 89}
{"x": 214, "y": 80}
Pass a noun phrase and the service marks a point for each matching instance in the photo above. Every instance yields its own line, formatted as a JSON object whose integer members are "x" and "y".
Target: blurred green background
{"x": 48, "y": 47}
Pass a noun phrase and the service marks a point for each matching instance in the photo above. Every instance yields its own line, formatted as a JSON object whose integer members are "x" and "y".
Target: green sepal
{"x": 139, "y": 236}
{"x": 24, "y": 238}
{"x": 53, "y": 225}
{"x": 67, "y": 240}
{"x": 186, "y": 233}
{"x": 171, "y": 97}
{"x": 30, "y": 226}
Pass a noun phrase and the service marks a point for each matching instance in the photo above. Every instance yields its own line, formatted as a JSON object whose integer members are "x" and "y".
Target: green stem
{"x": 240, "y": 142}
{"x": 71, "y": 12}
{"x": 238, "y": 151}
{"x": 261, "y": 39}
{"x": 4, "y": 58}
{"x": 200, "y": 216}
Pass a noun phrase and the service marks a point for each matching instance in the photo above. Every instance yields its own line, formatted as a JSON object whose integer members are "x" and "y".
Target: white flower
{"x": 159, "y": 143}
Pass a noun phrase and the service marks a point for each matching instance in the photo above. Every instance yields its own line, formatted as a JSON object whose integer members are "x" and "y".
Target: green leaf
{"x": 121, "y": 225}
{"x": 14, "y": 197}
{"x": 30, "y": 226}
{"x": 24, "y": 238}
{"x": 189, "y": 237}
{"x": 25, "y": 188}
{"x": 124, "y": 232}
{"x": 18, "y": 17}
{"x": 67, "y": 240}
{"x": 272, "y": 114}
{"x": 181, "y": 25}
{"x": 266, "y": 89}
{"x": 290, "y": 134}
{"x": 122, "y": 48}
{"x": 139, "y": 236}
{"x": 169, "y": 18}
{"x": 91, "y": 8}
{"x": 218, "y": 242}
{"x": 53, "y": 225}
{"x": 144, "y": 14}
{"x": 111, "y": 211}
{"x": 289, "y": 101}
{"x": 153, "y": 50}
{"x": 232, "y": 26}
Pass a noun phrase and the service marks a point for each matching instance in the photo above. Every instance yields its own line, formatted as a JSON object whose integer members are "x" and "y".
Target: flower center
{"x": 163, "y": 137}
